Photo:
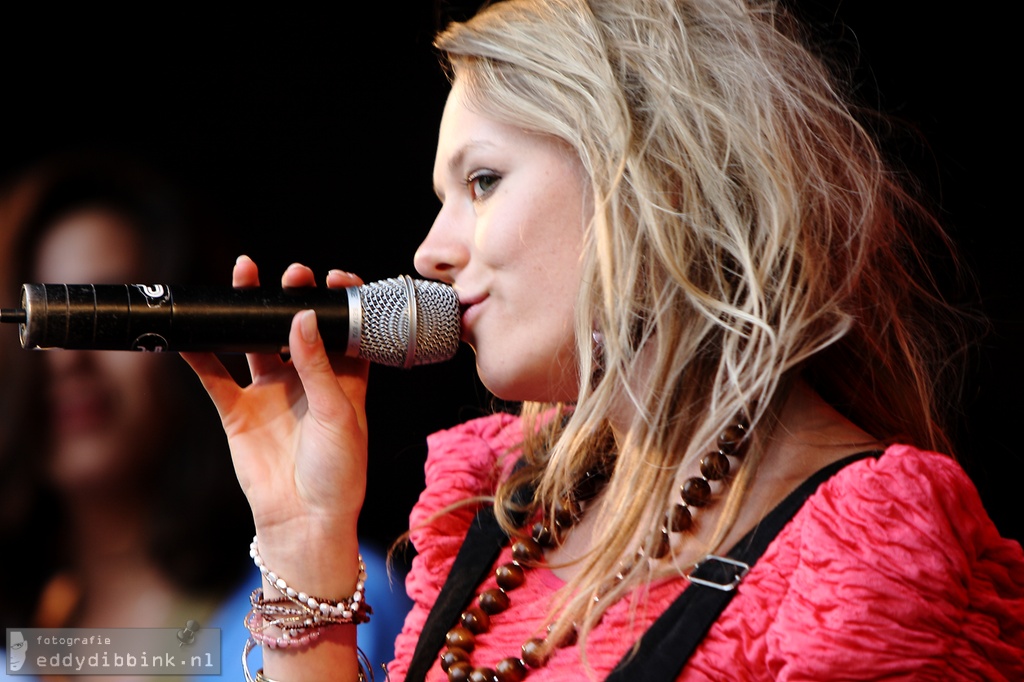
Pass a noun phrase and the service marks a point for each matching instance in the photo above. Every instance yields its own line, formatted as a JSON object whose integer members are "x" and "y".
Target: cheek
{"x": 142, "y": 385}
{"x": 557, "y": 240}
{"x": 516, "y": 228}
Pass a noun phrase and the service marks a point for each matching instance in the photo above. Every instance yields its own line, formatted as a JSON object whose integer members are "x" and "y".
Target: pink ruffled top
{"x": 891, "y": 570}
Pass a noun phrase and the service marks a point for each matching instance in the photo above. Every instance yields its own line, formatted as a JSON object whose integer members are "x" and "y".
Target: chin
{"x": 90, "y": 465}
{"x": 515, "y": 387}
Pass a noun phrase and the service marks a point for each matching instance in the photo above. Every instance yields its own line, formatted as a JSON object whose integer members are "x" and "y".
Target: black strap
{"x": 671, "y": 640}
{"x": 478, "y": 553}
{"x": 665, "y": 647}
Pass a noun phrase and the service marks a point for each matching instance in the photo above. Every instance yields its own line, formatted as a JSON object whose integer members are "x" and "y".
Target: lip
{"x": 469, "y": 309}
{"x": 82, "y": 413}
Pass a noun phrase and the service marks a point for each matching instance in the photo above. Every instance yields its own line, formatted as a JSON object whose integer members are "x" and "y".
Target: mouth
{"x": 468, "y": 307}
{"x": 81, "y": 413}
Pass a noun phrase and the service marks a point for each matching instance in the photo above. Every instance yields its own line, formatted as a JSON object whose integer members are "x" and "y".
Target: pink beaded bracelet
{"x": 289, "y": 637}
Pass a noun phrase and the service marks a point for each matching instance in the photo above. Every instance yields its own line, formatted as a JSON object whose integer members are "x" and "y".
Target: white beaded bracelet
{"x": 340, "y": 611}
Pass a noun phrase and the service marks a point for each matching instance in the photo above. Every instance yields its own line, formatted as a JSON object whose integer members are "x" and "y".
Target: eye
{"x": 481, "y": 183}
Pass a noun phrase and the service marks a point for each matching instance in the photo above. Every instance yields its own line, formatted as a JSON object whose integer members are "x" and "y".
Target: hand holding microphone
{"x": 400, "y": 322}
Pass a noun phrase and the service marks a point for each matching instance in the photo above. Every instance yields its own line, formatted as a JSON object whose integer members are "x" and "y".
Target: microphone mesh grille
{"x": 385, "y": 328}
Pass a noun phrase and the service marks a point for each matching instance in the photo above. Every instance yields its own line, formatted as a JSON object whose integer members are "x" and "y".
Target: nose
{"x": 60, "y": 362}
{"x": 442, "y": 253}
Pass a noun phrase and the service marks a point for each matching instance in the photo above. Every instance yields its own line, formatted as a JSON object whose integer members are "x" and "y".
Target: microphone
{"x": 399, "y": 322}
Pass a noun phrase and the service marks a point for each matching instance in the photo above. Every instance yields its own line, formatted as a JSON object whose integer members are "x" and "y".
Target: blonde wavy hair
{"x": 746, "y": 230}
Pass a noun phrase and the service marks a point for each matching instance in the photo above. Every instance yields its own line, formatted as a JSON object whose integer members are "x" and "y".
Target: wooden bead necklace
{"x": 528, "y": 551}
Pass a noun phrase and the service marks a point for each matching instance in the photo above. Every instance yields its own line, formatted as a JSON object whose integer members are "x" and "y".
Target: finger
{"x": 246, "y": 274}
{"x": 215, "y": 378}
{"x": 339, "y": 279}
{"x": 336, "y": 393}
{"x": 298, "y": 275}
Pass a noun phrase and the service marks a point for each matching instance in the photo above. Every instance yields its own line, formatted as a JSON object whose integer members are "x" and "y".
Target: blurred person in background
{"x": 118, "y": 506}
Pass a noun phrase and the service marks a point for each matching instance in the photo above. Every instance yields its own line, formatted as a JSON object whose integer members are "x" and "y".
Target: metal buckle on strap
{"x": 719, "y": 572}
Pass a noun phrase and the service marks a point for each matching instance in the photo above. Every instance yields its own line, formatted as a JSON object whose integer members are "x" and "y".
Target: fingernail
{"x": 241, "y": 258}
{"x": 307, "y": 325}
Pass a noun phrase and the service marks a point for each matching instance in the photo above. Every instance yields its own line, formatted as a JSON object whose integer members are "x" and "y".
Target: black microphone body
{"x": 398, "y": 322}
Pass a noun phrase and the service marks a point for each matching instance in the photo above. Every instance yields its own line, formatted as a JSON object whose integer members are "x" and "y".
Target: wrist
{"x": 318, "y": 557}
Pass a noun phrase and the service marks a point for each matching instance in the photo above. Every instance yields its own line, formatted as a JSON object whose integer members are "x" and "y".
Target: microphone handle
{"x": 162, "y": 317}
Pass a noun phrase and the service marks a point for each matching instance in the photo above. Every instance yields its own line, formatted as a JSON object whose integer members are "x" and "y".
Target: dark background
{"x": 309, "y": 137}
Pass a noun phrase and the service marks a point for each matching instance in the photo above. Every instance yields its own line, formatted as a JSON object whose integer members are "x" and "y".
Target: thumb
{"x": 335, "y": 394}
